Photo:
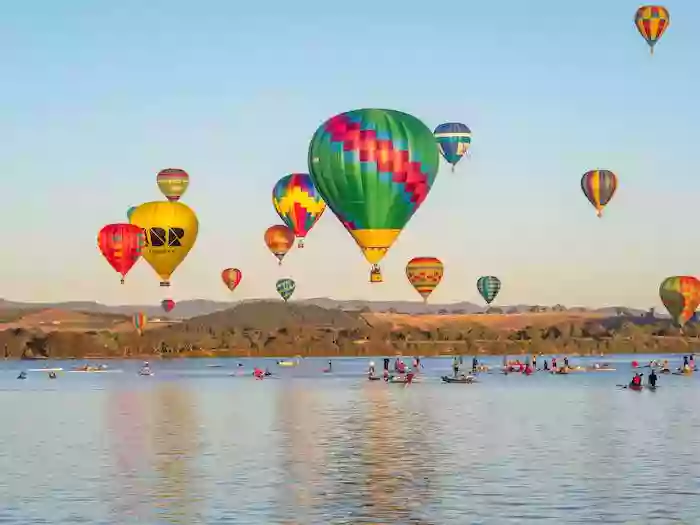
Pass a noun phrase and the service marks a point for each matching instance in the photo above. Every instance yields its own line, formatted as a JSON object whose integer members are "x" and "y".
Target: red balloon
{"x": 167, "y": 304}
{"x": 121, "y": 245}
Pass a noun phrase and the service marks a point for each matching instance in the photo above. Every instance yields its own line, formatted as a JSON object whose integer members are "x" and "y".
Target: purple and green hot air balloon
{"x": 453, "y": 139}
{"x": 373, "y": 168}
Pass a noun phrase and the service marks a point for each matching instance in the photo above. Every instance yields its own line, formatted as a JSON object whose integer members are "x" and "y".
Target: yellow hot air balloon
{"x": 170, "y": 229}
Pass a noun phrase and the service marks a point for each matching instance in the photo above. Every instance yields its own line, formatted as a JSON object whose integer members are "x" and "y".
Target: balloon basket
{"x": 164, "y": 283}
{"x": 375, "y": 275}
{"x": 300, "y": 244}
{"x": 122, "y": 281}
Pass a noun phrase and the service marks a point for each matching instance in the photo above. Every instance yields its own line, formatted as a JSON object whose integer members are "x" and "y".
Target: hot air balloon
{"x": 171, "y": 229}
{"x": 279, "y": 240}
{"x": 424, "y": 274}
{"x": 374, "y": 168}
{"x": 681, "y": 297}
{"x": 130, "y": 212}
{"x": 232, "y": 277}
{"x": 298, "y": 203}
{"x": 599, "y": 187}
{"x": 285, "y": 287}
{"x": 172, "y": 183}
{"x": 167, "y": 305}
{"x": 139, "y": 321}
{"x": 121, "y": 245}
{"x": 453, "y": 139}
{"x": 488, "y": 287}
{"x": 652, "y": 21}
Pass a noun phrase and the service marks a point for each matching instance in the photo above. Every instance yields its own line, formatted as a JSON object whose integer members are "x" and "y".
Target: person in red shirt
{"x": 258, "y": 373}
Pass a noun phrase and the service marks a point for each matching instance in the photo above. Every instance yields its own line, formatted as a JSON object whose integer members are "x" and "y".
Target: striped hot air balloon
{"x": 139, "y": 321}
{"x": 488, "y": 286}
{"x": 599, "y": 186}
{"x": 652, "y": 21}
{"x": 424, "y": 274}
{"x": 454, "y": 140}
{"x": 173, "y": 183}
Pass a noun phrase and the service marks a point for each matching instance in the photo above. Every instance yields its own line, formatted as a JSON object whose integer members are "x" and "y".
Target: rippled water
{"x": 194, "y": 445}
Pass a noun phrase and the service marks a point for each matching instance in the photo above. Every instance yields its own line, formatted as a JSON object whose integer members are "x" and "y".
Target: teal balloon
{"x": 130, "y": 212}
{"x": 488, "y": 287}
{"x": 285, "y": 287}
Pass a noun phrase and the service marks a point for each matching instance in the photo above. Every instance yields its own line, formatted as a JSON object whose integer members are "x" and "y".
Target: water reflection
{"x": 175, "y": 444}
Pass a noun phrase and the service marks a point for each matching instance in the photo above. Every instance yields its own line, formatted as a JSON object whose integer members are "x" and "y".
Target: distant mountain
{"x": 198, "y": 307}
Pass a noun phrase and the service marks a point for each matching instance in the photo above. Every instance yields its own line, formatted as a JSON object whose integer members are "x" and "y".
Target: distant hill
{"x": 199, "y": 307}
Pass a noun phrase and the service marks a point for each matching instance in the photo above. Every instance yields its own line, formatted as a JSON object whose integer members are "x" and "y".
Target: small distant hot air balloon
{"x": 453, "y": 139}
{"x": 279, "y": 240}
{"x": 424, "y": 274}
{"x": 599, "y": 187}
{"x": 285, "y": 287}
{"x": 298, "y": 203}
{"x": 130, "y": 212}
{"x": 167, "y": 305}
{"x": 652, "y": 21}
{"x": 139, "y": 321}
{"x": 173, "y": 183}
{"x": 681, "y": 297}
{"x": 488, "y": 287}
{"x": 373, "y": 168}
{"x": 121, "y": 245}
{"x": 232, "y": 277}
{"x": 170, "y": 230}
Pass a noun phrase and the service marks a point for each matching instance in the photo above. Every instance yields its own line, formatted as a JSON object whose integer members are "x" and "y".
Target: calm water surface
{"x": 194, "y": 445}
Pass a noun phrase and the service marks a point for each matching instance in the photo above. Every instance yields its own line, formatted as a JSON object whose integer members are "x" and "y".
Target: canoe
{"x": 463, "y": 379}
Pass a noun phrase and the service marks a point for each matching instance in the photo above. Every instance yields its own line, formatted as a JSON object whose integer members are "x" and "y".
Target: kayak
{"x": 286, "y": 363}
{"x": 462, "y": 379}
{"x": 665, "y": 371}
{"x": 99, "y": 371}
{"x": 602, "y": 369}
{"x": 638, "y": 388}
{"x": 400, "y": 379}
{"x": 146, "y": 373}
{"x": 374, "y": 378}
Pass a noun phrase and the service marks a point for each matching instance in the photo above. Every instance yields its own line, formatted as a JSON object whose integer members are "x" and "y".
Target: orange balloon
{"x": 279, "y": 240}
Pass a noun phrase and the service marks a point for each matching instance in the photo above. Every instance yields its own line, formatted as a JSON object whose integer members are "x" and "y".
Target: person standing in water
{"x": 455, "y": 366}
{"x": 652, "y": 378}
{"x": 475, "y": 364}
{"x": 370, "y": 370}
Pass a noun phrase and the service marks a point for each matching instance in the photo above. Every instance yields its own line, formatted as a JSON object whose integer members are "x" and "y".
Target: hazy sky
{"x": 99, "y": 96}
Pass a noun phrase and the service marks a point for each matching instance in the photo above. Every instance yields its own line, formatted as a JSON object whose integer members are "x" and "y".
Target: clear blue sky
{"x": 98, "y": 96}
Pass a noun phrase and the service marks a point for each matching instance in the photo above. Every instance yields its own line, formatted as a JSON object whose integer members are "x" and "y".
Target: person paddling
{"x": 636, "y": 381}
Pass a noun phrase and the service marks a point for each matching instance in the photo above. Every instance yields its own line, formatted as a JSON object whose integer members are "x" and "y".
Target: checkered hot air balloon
{"x": 488, "y": 287}
{"x": 298, "y": 203}
{"x": 681, "y": 297}
{"x": 373, "y": 168}
{"x": 652, "y": 21}
{"x": 424, "y": 274}
{"x": 454, "y": 140}
{"x": 599, "y": 186}
{"x": 285, "y": 287}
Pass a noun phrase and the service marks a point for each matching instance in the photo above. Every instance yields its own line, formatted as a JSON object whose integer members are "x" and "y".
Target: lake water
{"x": 194, "y": 445}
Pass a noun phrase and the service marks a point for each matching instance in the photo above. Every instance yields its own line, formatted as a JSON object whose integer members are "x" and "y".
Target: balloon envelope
{"x": 139, "y": 321}
{"x": 652, "y": 21}
{"x": 424, "y": 274}
{"x": 173, "y": 183}
{"x": 488, "y": 286}
{"x": 130, "y": 212}
{"x": 122, "y": 245}
{"x": 298, "y": 203}
{"x": 681, "y": 297}
{"x": 279, "y": 240}
{"x": 373, "y": 168}
{"x": 285, "y": 287}
{"x": 232, "y": 277}
{"x": 599, "y": 186}
{"x": 167, "y": 305}
{"x": 170, "y": 230}
{"x": 453, "y": 139}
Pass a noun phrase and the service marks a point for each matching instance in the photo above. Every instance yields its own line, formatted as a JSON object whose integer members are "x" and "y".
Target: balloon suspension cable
{"x": 453, "y": 168}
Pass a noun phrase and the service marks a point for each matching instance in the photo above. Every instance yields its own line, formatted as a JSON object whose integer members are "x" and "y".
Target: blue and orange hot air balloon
{"x": 652, "y": 21}
{"x": 454, "y": 140}
{"x": 298, "y": 203}
{"x": 599, "y": 186}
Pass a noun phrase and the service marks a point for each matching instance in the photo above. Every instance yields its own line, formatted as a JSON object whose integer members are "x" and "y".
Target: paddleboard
{"x": 95, "y": 371}
{"x": 45, "y": 370}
